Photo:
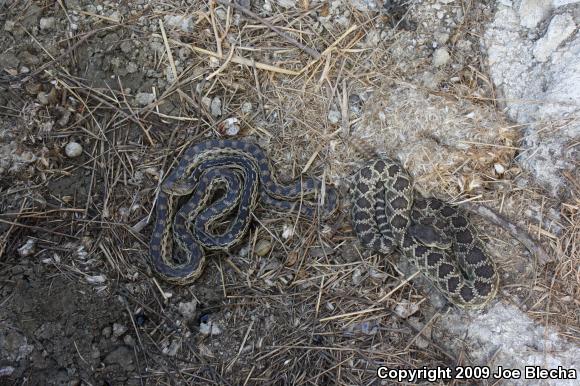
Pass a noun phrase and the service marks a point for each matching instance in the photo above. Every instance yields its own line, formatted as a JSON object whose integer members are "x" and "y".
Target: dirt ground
{"x": 132, "y": 84}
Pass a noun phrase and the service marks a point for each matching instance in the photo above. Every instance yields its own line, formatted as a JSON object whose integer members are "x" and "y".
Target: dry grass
{"x": 316, "y": 310}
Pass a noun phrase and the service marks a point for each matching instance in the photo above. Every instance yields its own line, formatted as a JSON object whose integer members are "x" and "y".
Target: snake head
{"x": 178, "y": 187}
{"x": 429, "y": 236}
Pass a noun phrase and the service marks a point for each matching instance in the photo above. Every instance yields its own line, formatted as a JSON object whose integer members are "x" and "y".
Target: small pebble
{"x": 216, "y": 107}
{"x": 287, "y": 231}
{"x": 73, "y": 149}
{"x": 96, "y": 279}
{"x": 9, "y": 25}
{"x": 229, "y": 127}
{"x": 43, "y": 98}
{"x": 128, "y": 340}
{"x": 144, "y": 98}
{"x": 246, "y": 107}
{"x": 27, "y": 249}
{"x": 405, "y": 309}
{"x": 209, "y": 328}
{"x": 441, "y": 57}
{"x": 107, "y": 331}
{"x": 499, "y": 169}
{"x": 47, "y": 23}
{"x": 263, "y": 247}
{"x": 334, "y": 116}
{"x": 357, "y": 276}
{"x": 118, "y": 330}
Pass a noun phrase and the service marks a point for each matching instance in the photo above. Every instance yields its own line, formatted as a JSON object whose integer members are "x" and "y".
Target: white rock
{"x": 73, "y": 149}
{"x": 173, "y": 348}
{"x": 216, "y": 107}
{"x": 47, "y": 23}
{"x": 533, "y": 12}
{"x": 365, "y": 5}
{"x": 553, "y": 85}
{"x": 267, "y": 6}
{"x": 209, "y": 328}
{"x": 499, "y": 169}
{"x": 144, "y": 98}
{"x": 9, "y": 25}
{"x": 441, "y": 57}
{"x": 405, "y": 309}
{"x": 560, "y": 28}
{"x": 287, "y": 231}
{"x": 247, "y": 107}
{"x": 96, "y": 279}
{"x": 118, "y": 330}
{"x": 286, "y": 3}
{"x": 182, "y": 22}
{"x": 27, "y": 249}
{"x": 230, "y": 126}
{"x": 43, "y": 98}
{"x": 115, "y": 16}
{"x": 357, "y": 276}
{"x": 334, "y": 116}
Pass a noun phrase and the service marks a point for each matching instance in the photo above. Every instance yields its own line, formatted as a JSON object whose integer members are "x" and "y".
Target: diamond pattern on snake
{"x": 189, "y": 204}
{"x": 388, "y": 214}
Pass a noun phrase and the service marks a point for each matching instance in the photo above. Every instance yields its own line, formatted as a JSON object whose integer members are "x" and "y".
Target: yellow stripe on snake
{"x": 220, "y": 180}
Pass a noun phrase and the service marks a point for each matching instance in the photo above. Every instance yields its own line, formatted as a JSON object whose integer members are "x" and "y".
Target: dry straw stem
{"x": 240, "y": 60}
{"x": 312, "y": 52}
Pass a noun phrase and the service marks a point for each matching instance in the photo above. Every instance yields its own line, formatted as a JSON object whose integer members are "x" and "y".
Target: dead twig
{"x": 514, "y": 230}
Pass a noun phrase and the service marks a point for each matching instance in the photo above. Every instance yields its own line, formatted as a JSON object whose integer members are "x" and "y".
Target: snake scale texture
{"x": 387, "y": 214}
{"x": 220, "y": 180}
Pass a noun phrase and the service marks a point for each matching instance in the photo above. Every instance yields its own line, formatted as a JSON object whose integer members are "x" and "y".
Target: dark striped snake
{"x": 217, "y": 181}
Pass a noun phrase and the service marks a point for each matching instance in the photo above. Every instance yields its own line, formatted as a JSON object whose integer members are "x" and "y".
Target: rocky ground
{"x": 478, "y": 99}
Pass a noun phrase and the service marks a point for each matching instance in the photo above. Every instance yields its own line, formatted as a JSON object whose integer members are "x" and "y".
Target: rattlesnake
{"x": 436, "y": 237}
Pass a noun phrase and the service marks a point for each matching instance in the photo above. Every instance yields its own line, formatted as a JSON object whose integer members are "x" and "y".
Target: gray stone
{"x": 532, "y": 12}
{"x": 539, "y": 94}
{"x": 183, "y": 23}
{"x": 8, "y": 60}
{"x": 144, "y": 98}
{"x": 123, "y": 356}
{"x": 539, "y": 83}
{"x": 216, "y": 107}
{"x": 47, "y": 23}
{"x": 118, "y": 330}
{"x": 107, "y": 331}
{"x": 441, "y": 57}
{"x": 560, "y": 28}
{"x": 334, "y": 116}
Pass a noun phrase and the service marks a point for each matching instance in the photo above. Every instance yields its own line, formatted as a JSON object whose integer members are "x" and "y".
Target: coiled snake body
{"x": 190, "y": 206}
{"x": 436, "y": 237}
